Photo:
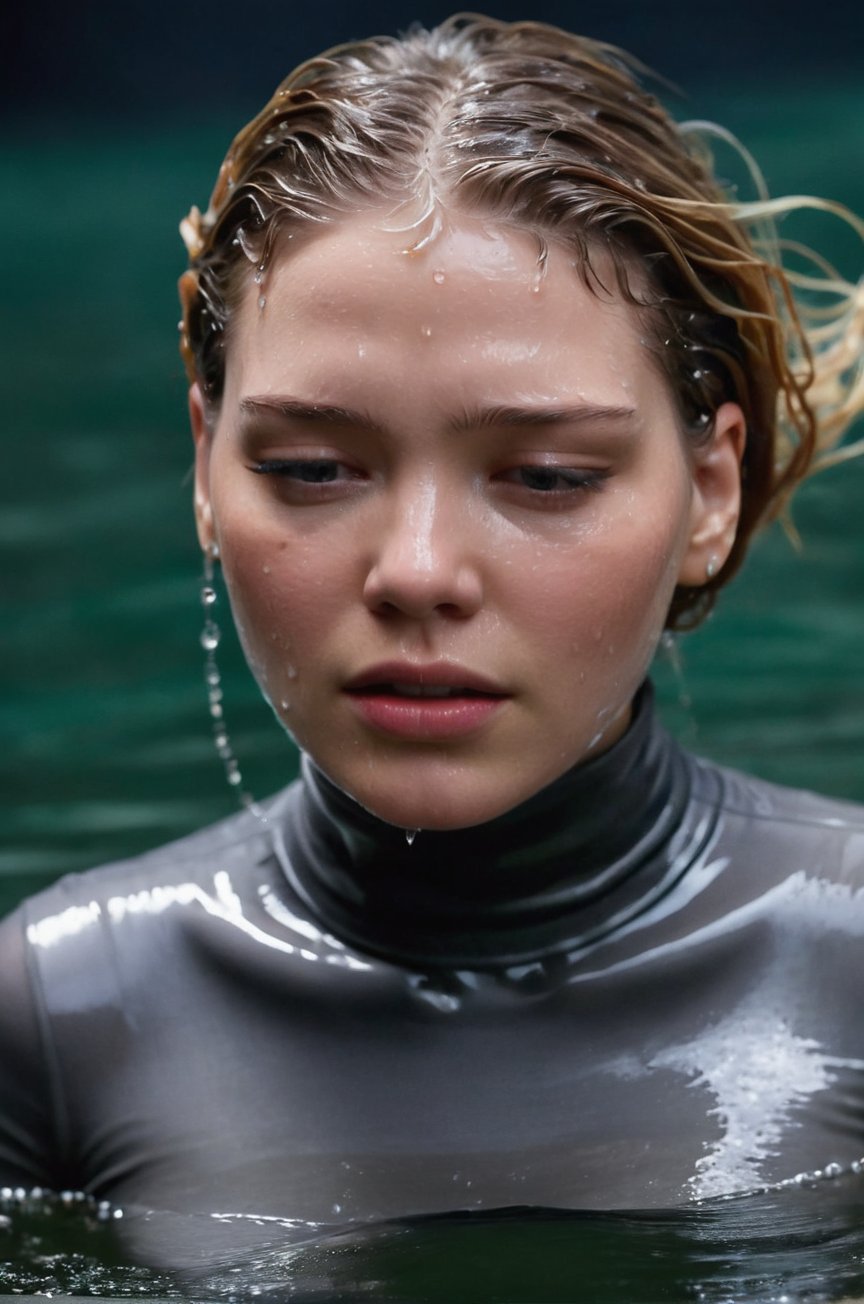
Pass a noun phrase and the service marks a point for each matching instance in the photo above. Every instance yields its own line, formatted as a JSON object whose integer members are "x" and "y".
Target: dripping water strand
{"x": 672, "y": 649}
{"x": 211, "y": 636}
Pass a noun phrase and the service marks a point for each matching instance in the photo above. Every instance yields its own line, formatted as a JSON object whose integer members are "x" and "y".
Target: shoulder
{"x": 91, "y": 938}
{"x": 759, "y": 799}
{"x": 90, "y": 931}
{"x": 796, "y": 828}
{"x": 240, "y": 840}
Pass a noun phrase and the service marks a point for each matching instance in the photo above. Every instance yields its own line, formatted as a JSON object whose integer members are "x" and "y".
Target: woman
{"x": 490, "y": 385}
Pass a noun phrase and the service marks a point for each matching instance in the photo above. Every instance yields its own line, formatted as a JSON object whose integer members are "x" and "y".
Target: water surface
{"x": 781, "y": 1247}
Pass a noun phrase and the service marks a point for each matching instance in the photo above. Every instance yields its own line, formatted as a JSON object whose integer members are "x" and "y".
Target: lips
{"x": 424, "y": 690}
{"x": 408, "y": 676}
{"x": 425, "y": 703}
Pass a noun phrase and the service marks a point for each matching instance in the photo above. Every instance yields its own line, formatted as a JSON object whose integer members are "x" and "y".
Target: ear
{"x": 716, "y": 502}
{"x": 202, "y": 436}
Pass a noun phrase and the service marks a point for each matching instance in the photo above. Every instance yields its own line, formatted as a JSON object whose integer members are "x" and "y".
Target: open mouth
{"x": 431, "y": 705}
{"x": 422, "y": 690}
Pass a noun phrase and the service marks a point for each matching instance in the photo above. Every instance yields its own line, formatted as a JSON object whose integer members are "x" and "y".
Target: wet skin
{"x": 439, "y": 472}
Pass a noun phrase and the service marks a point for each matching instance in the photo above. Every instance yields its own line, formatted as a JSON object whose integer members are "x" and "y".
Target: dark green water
{"x": 775, "y": 1248}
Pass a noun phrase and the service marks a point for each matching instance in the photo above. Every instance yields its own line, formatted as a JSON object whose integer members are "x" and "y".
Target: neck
{"x": 556, "y": 873}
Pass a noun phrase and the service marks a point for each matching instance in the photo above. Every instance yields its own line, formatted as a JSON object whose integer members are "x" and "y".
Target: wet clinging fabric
{"x": 640, "y": 988}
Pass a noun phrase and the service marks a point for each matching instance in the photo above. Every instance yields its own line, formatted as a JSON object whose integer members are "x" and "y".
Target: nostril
{"x": 453, "y": 591}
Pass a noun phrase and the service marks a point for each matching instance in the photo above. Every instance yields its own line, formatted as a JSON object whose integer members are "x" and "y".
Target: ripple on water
{"x": 789, "y": 1245}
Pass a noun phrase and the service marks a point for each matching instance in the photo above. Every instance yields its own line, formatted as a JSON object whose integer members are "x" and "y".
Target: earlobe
{"x": 202, "y": 436}
{"x": 716, "y": 498}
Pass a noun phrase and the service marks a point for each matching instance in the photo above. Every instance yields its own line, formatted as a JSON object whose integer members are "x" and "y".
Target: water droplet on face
{"x": 285, "y": 705}
{"x": 265, "y": 570}
{"x": 291, "y": 672}
{"x": 438, "y": 277}
{"x": 262, "y": 299}
{"x": 426, "y": 331}
{"x": 410, "y": 835}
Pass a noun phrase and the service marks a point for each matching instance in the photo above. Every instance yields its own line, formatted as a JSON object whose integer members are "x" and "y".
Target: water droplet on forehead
{"x": 438, "y": 277}
{"x": 426, "y": 331}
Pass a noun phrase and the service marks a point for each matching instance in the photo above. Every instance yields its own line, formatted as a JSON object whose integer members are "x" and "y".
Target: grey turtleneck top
{"x": 642, "y": 987}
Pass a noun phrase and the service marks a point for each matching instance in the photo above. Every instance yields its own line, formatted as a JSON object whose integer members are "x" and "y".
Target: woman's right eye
{"x": 316, "y": 470}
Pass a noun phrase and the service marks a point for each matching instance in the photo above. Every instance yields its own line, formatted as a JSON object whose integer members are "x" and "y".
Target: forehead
{"x": 353, "y": 306}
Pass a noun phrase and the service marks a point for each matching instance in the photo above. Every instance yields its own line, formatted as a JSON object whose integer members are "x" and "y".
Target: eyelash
{"x": 306, "y": 472}
{"x": 294, "y": 467}
{"x": 591, "y": 480}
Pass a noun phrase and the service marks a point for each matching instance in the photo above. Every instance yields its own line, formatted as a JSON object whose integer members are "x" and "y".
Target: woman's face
{"x": 452, "y": 504}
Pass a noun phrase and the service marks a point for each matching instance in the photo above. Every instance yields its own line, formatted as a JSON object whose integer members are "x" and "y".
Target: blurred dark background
{"x": 116, "y": 118}
{"x": 143, "y": 60}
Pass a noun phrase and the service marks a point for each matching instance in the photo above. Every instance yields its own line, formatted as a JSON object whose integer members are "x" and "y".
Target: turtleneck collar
{"x": 570, "y": 865}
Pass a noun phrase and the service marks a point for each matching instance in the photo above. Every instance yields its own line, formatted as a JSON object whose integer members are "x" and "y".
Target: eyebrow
{"x": 294, "y": 409}
{"x": 471, "y": 419}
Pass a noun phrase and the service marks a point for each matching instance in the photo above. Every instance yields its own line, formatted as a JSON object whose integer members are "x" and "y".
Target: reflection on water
{"x": 778, "y": 1247}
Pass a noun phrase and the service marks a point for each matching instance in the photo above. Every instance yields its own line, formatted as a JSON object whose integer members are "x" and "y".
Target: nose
{"x": 421, "y": 561}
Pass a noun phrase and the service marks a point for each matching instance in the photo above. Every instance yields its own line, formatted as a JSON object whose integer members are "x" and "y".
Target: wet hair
{"x": 554, "y": 134}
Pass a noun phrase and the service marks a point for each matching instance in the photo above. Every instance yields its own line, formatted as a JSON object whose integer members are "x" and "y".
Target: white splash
{"x": 758, "y": 1070}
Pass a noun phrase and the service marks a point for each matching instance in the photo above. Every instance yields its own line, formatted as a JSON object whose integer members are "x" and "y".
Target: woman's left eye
{"x": 554, "y": 479}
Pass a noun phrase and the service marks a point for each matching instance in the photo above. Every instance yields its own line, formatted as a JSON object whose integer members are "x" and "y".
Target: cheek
{"x": 285, "y": 597}
{"x": 606, "y": 600}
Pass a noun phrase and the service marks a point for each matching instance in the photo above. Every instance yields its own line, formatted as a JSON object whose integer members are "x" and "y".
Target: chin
{"x": 438, "y": 813}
